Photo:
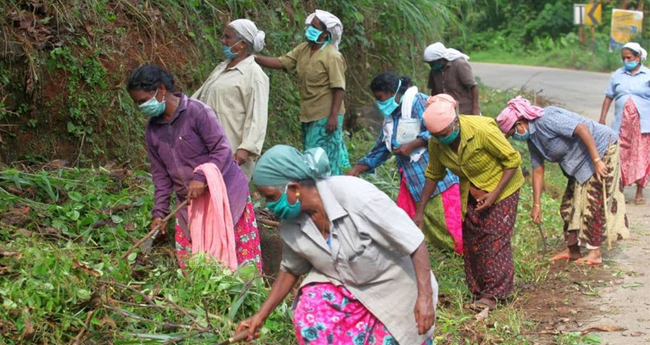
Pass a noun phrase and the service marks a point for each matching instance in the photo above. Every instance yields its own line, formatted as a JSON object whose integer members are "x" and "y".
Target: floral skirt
{"x": 329, "y": 314}
{"x": 635, "y": 147}
{"x": 314, "y": 134}
{"x": 582, "y": 206}
{"x": 247, "y": 240}
{"x": 489, "y": 266}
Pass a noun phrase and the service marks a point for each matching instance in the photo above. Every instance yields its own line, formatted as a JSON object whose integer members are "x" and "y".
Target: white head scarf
{"x": 249, "y": 32}
{"x": 635, "y": 47}
{"x": 438, "y": 51}
{"x": 332, "y": 23}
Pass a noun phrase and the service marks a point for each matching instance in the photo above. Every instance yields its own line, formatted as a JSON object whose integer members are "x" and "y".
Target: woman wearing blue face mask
{"x": 238, "y": 91}
{"x": 321, "y": 82}
{"x": 630, "y": 88}
{"x": 588, "y": 154}
{"x": 365, "y": 261}
{"x": 474, "y": 149}
{"x": 405, "y": 136}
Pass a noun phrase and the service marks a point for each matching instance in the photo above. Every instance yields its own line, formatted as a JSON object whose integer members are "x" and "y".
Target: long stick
{"x": 154, "y": 230}
{"x": 236, "y": 338}
{"x": 541, "y": 233}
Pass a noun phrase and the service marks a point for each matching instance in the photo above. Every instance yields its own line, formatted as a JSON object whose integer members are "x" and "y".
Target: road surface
{"x": 625, "y": 303}
{"x": 579, "y": 91}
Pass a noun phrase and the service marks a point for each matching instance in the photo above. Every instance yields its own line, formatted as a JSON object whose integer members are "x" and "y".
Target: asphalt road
{"x": 579, "y": 91}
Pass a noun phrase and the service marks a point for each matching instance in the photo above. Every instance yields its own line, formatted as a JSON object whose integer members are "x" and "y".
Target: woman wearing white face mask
{"x": 238, "y": 91}
{"x": 405, "y": 136}
{"x": 588, "y": 154}
{"x": 630, "y": 88}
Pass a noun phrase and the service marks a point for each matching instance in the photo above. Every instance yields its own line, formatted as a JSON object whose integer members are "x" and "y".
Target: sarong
{"x": 329, "y": 314}
{"x": 314, "y": 134}
{"x": 247, "y": 240}
{"x": 489, "y": 266}
{"x": 442, "y": 220}
{"x": 582, "y": 207}
{"x": 635, "y": 147}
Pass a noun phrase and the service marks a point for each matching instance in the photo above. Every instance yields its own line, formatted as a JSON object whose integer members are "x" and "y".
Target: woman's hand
{"x": 536, "y": 214}
{"x": 155, "y": 223}
{"x": 418, "y": 219}
{"x": 332, "y": 123}
{"x": 424, "y": 314}
{"x": 601, "y": 170}
{"x": 486, "y": 201}
{"x": 253, "y": 324}
{"x": 357, "y": 170}
{"x": 404, "y": 150}
{"x": 196, "y": 189}
{"x": 240, "y": 156}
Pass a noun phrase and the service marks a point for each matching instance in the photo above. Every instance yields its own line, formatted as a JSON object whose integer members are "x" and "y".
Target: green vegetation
{"x": 537, "y": 33}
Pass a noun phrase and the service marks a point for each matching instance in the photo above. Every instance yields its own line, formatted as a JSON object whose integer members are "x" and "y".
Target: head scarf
{"x": 438, "y": 51}
{"x": 282, "y": 164}
{"x": 332, "y": 23}
{"x": 635, "y": 47}
{"x": 440, "y": 112}
{"x": 517, "y": 108}
{"x": 248, "y": 30}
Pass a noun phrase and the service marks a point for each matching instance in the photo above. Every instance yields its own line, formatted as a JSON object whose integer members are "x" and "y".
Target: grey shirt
{"x": 552, "y": 139}
{"x": 371, "y": 243}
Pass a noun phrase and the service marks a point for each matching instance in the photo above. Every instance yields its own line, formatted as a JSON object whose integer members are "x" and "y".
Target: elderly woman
{"x": 321, "y": 82}
{"x": 473, "y": 148}
{"x": 368, "y": 272}
{"x": 452, "y": 74}
{"x": 593, "y": 204}
{"x": 182, "y": 134}
{"x": 630, "y": 87}
{"x": 238, "y": 91}
{"x": 405, "y": 135}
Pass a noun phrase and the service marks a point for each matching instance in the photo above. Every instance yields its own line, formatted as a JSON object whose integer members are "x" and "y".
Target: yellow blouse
{"x": 483, "y": 154}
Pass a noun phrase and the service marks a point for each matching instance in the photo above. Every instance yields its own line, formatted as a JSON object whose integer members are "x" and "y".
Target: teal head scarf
{"x": 282, "y": 164}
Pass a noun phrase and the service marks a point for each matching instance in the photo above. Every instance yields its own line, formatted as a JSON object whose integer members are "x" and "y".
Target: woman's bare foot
{"x": 594, "y": 257}
{"x": 572, "y": 253}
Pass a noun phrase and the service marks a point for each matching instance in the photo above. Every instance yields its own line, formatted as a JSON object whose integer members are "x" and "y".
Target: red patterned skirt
{"x": 635, "y": 147}
{"x": 489, "y": 266}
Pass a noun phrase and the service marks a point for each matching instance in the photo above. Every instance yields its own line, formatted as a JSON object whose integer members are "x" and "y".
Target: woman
{"x": 473, "y": 148}
{"x": 588, "y": 155}
{"x": 321, "y": 82}
{"x": 406, "y": 136}
{"x": 368, "y": 272}
{"x": 238, "y": 91}
{"x": 182, "y": 134}
{"x": 630, "y": 87}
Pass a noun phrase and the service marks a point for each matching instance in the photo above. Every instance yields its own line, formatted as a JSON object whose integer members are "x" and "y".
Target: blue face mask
{"x": 521, "y": 137}
{"x": 388, "y": 106}
{"x": 436, "y": 66}
{"x": 312, "y": 34}
{"x": 153, "y": 108}
{"x": 630, "y": 65}
{"x": 448, "y": 139}
{"x": 228, "y": 52}
{"x": 283, "y": 209}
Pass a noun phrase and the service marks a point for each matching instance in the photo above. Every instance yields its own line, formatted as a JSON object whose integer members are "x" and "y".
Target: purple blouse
{"x": 194, "y": 136}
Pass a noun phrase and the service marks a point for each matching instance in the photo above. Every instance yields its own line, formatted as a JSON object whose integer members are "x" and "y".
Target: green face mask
{"x": 448, "y": 139}
{"x": 283, "y": 209}
{"x": 153, "y": 108}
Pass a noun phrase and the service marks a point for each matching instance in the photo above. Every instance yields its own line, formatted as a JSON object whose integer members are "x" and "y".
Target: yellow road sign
{"x": 594, "y": 14}
{"x": 626, "y": 25}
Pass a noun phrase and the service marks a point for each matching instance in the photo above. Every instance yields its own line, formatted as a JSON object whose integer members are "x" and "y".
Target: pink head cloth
{"x": 440, "y": 112}
{"x": 517, "y": 108}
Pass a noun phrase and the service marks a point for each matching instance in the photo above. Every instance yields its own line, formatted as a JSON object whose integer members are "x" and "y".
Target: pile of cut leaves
{"x": 62, "y": 280}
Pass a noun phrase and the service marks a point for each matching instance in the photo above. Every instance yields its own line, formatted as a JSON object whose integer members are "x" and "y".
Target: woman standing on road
{"x": 405, "y": 135}
{"x": 588, "y": 154}
{"x": 369, "y": 278}
{"x": 182, "y": 134}
{"x": 474, "y": 149}
{"x": 238, "y": 91}
{"x": 630, "y": 88}
{"x": 321, "y": 82}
